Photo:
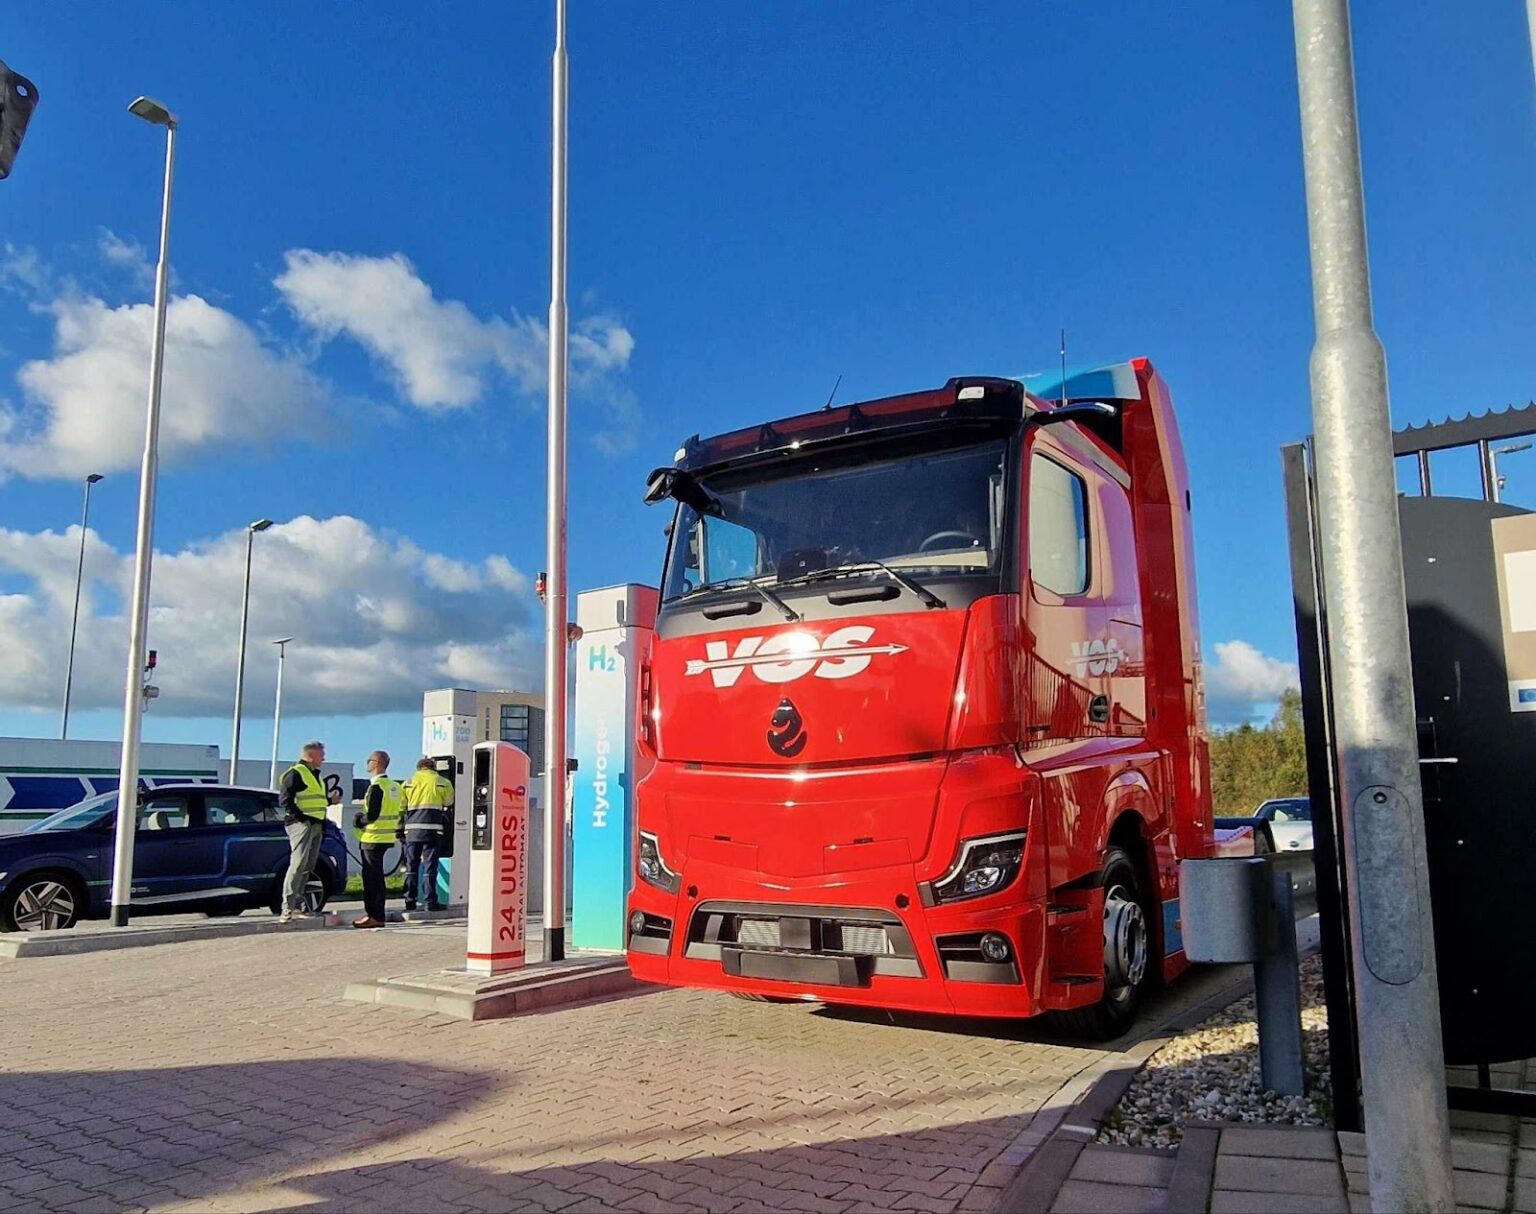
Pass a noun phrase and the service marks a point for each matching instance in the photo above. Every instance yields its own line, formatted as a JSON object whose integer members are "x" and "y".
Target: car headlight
{"x": 984, "y": 866}
{"x": 652, "y": 868}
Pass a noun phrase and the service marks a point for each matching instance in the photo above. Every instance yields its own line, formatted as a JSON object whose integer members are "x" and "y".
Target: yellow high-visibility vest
{"x": 382, "y": 829}
{"x": 311, "y": 799}
{"x": 427, "y": 790}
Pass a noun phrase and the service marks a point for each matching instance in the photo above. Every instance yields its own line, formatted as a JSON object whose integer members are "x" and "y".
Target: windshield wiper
{"x": 929, "y": 599}
{"x": 746, "y": 583}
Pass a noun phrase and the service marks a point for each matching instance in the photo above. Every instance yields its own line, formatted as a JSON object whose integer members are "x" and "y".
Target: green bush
{"x": 1250, "y": 765}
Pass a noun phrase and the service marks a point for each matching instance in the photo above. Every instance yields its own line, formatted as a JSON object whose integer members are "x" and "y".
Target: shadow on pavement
{"x": 125, "y": 1139}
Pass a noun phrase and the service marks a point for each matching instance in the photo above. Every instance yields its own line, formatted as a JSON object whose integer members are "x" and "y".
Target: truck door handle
{"x": 1098, "y": 709}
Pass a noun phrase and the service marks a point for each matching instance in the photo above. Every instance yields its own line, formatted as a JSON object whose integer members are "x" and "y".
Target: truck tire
{"x": 1127, "y": 968}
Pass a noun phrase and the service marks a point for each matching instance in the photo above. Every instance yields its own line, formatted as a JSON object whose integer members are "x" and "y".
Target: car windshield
{"x": 1296, "y": 809}
{"x": 83, "y": 813}
{"x": 927, "y": 514}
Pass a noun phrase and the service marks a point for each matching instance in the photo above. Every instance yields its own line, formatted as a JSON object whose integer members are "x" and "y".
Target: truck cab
{"x": 924, "y": 706}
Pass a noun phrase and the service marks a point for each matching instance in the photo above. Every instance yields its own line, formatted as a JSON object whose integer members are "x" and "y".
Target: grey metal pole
{"x": 1397, "y": 1003}
{"x": 245, "y": 615}
{"x": 555, "y": 596}
{"x": 277, "y": 712}
{"x": 74, "y": 619}
{"x": 260, "y": 524}
{"x": 138, "y": 616}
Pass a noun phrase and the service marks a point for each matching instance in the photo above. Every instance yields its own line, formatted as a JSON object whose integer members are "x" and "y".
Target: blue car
{"x": 205, "y": 847}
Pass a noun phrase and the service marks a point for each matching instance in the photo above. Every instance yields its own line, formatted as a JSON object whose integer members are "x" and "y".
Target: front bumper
{"x": 860, "y": 938}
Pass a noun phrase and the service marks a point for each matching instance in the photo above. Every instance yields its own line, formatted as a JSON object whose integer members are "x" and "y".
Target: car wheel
{"x": 1127, "y": 942}
{"x": 42, "y": 903}
{"x": 315, "y": 895}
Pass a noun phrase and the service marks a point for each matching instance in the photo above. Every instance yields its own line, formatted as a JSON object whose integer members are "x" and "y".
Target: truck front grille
{"x": 785, "y": 927}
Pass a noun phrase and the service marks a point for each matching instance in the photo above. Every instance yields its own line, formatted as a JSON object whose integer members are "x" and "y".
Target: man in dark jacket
{"x": 427, "y": 797}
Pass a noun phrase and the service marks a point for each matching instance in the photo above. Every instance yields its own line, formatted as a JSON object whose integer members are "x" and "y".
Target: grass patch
{"x": 394, "y": 887}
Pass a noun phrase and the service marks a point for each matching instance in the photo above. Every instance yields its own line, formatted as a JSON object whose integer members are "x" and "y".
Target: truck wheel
{"x": 44, "y": 902}
{"x": 1126, "y": 943}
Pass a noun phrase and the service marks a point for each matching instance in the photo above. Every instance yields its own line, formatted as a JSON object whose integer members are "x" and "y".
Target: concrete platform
{"x": 100, "y": 937}
{"x": 447, "y": 914}
{"x": 534, "y": 988}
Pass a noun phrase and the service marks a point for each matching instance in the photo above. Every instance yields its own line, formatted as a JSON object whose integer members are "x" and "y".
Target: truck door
{"x": 1119, "y": 589}
{"x": 1067, "y": 690}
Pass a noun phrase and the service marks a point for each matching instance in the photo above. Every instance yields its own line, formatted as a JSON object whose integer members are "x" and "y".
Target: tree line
{"x": 1250, "y": 764}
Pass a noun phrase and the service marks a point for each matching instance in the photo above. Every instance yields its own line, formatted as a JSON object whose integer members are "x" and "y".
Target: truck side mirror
{"x": 658, "y": 485}
{"x": 675, "y": 483}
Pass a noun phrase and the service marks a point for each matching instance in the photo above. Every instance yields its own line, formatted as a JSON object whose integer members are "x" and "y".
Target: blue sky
{"x": 763, "y": 198}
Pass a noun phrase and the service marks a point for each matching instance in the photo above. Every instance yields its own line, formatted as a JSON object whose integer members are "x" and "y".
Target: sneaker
{"x": 288, "y": 916}
{"x": 366, "y": 921}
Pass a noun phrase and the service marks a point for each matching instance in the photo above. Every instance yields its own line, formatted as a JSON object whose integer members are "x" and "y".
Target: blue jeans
{"x": 421, "y": 871}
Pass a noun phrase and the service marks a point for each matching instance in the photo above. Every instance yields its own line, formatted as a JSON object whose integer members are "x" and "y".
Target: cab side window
{"x": 1058, "y": 528}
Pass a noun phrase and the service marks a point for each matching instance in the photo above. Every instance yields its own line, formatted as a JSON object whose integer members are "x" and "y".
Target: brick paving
{"x": 230, "y": 1075}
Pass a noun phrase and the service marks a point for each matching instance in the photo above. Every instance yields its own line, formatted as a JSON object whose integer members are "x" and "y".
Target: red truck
{"x": 924, "y": 705}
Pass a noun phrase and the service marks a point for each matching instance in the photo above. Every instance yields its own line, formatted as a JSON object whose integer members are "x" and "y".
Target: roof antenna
{"x": 833, "y": 393}
{"x": 1063, "y": 368}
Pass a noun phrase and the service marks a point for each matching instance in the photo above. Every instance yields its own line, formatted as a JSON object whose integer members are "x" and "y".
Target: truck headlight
{"x": 652, "y": 868}
{"x": 984, "y": 866}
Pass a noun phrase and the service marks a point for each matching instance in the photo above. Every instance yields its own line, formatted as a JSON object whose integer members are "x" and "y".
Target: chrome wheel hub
{"x": 44, "y": 906}
{"x": 1125, "y": 940}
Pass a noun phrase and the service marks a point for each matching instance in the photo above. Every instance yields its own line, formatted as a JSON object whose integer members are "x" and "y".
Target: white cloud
{"x": 126, "y": 255}
{"x": 84, "y": 409}
{"x": 437, "y": 351}
{"x": 1243, "y": 681}
{"x": 375, "y": 621}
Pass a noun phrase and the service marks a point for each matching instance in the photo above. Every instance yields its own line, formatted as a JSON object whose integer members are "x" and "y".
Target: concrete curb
{"x": 1081, "y": 1104}
{"x": 22, "y": 946}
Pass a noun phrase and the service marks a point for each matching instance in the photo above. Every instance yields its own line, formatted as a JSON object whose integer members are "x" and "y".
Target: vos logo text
{"x": 790, "y": 656}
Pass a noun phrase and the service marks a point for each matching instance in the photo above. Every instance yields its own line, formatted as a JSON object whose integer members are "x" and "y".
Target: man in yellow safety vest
{"x": 378, "y": 822}
{"x": 303, "y": 800}
{"x": 427, "y": 796}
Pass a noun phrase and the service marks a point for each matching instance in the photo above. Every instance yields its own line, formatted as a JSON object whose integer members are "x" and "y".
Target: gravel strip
{"x": 1211, "y": 1073}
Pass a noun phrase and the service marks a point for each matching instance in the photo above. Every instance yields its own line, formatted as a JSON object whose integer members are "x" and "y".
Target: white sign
{"x": 498, "y": 860}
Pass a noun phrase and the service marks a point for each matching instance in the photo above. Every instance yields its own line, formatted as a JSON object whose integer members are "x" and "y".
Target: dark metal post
{"x": 1333, "y": 924}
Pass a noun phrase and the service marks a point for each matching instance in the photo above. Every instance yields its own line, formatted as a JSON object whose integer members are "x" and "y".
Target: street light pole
{"x": 277, "y": 710}
{"x": 138, "y": 617}
{"x": 1496, "y": 481}
{"x": 260, "y": 524}
{"x": 1381, "y": 801}
{"x": 74, "y": 619}
{"x": 555, "y": 775}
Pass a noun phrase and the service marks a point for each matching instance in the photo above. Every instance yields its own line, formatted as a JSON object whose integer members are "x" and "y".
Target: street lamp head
{"x": 261, "y": 524}
{"x": 282, "y": 640}
{"x": 151, "y": 110}
{"x": 93, "y": 478}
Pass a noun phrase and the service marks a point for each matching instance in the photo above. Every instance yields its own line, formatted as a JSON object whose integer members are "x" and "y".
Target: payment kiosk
{"x": 498, "y": 859}
{"x": 448, "y": 739}
{"x": 616, "y": 625}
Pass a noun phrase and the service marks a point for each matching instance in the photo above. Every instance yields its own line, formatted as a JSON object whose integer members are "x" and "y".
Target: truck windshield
{"x": 927, "y": 514}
